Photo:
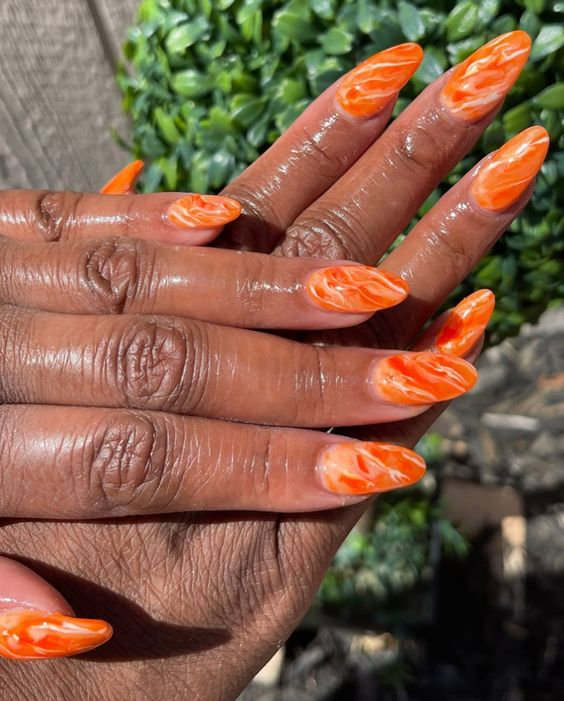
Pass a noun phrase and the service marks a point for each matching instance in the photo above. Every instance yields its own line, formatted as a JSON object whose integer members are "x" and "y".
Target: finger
{"x": 459, "y": 330}
{"x": 123, "y": 183}
{"x": 363, "y": 213}
{"x": 131, "y": 276}
{"x": 449, "y": 241}
{"x": 38, "y": 215}
{"x": 188, "y": 367}
{"x": 120, "y": 463}
{"x": 318, "y": 148}
{"x": 37, "y": 623}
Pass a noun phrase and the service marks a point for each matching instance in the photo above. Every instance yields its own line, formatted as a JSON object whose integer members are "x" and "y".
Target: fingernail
{"x": 466, "y": 323}
{"x": 414, "y": 379}
{"x": 355, "y": 288}
{"x": 368, "y": 88}
{"x": 123, "y": 182}
{"x": 508, "y": 174}
{"x": 34, "y": 635}
{"x": 203, "y": 211}
{"x": 358, "y": 467}
{"x": 481, "y": 81}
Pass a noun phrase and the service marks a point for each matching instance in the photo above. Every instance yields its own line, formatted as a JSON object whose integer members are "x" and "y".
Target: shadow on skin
{"x": 137, "y": 636}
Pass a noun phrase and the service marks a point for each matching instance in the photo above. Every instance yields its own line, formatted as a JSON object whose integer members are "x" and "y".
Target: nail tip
{"x": 362, "y": 468}
{"x": 367, "y": 88}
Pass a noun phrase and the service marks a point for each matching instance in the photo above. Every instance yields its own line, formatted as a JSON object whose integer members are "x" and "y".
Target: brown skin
{"x": 200, "y": 602}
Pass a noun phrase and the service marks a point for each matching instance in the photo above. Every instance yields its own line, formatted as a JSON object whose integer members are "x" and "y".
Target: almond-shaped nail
{"x": 203, "y": 211}
{"x": 123, "y": 182}
{"x": 511, "y": 169}
{"x": 356, "y": 468}
{"x": 465, "y": 323}
{"x": 484, "y": 78}
{"x": 34, "y": 635}
{"x": 415, "y": 379}
{"x": 355, "y": 289}
{"x": 369, "y": 87}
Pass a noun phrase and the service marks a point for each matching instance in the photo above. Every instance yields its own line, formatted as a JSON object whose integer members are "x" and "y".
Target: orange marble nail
{"x": 369, "y": 87}
{"x": 484, "y": 78}
{"x": 465, "y": 323}
{"x": 355, "y": 289}
{"x": 355, "y": 468}
{"x": 511, "y": 169}
{"x": 414, "y": 379}
{"x": 34, "y": 635}
{"x": 123, "y": 182}
{"x": 203, "y": 211}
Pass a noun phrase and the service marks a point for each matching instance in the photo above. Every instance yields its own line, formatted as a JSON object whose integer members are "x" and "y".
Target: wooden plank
{"x": 58, "y": 99}
{"x": 114, "y": 17}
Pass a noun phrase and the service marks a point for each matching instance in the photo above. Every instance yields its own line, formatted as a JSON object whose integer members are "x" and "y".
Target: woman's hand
{"x": 218, "y": 592}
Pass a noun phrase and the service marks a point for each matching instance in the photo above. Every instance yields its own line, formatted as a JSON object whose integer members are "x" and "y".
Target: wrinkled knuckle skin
{"x": 330, "y": 235}
{"x": 113, "y": 272}
{"x": 259, "y": 226}
{"x": 456, "y": 251}
{"x": 14, "y": 346}
{"x": 418, "y": 151}
{"x": 127, "y": 465}
{"x": 326, "y": 164}
{"x": 54, "y": 213}
{"x": 153, "y": 359}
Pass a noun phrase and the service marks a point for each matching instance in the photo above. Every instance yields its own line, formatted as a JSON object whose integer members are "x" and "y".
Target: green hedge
{"x": 214, "y": 83}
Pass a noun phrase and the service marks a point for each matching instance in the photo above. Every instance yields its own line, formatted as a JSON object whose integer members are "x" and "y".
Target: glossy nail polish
{"x": 465, "y": 323}
{"x": 357, "y": 467}
{"x": 123, "y": 182}
{"x": 369, "y": 87}
{"x": 355, "y": 289}
{"x": 511, "y": 169}
{"x": 414, "y": 379}
{"x": 34, "y": 635}
{"x": 484, "y": 78}
{"x": 203, "y": 211}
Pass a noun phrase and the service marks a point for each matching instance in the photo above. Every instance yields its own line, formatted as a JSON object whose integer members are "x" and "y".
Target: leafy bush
{"x": 215, "y": 82}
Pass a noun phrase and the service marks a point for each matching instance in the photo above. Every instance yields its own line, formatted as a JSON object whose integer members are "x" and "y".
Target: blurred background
{"x": 452, "y": 590}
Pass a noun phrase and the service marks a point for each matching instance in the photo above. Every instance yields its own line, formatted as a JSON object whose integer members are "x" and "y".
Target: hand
{"x": 240, "y": 584}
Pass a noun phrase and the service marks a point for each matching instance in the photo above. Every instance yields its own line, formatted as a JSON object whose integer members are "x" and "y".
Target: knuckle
{"x": 327, "y": 164}
{"x": 261, "y": 222}
{"x": 417, "y": 150}
{"x": 127, "y": 464}
{"x": 154, "y": 357}
{"x": 331, "y": 234}
{"x": 53, "y": 213}
{"x": 456, "y": 252}
{"x": 252, "y": 283}
{"x": 14, "y": 344}
{"x": 114, "y": 273}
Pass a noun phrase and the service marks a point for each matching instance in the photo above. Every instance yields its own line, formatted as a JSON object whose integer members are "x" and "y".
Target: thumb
{"x": 37, "y": 623}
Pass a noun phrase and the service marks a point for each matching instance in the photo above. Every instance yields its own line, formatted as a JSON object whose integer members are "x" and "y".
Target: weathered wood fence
{"x": 58, "y": 99}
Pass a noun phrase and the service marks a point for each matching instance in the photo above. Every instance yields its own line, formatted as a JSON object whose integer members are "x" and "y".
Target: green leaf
{"x": 336, "y": 41}
{"x": 549, "y": 40}
{"x": 461, "y": 21}
{"x": 433, "y": 65}
{"x": 323, "y": 8}
{"x": 517, "y": 119}
{"x": 552, "y": 98}
{"x": 245, "y": 109}
{"x": 410, "y": 20}
{"x": 487, "y": 11}
{"x": 293, "y": 27}
{"x": 186, "y": 35}
{"x": 535, "y": 6}
{"x": 191, "y": 83}
{"x": 167, "y": 126}
{"x": 530, "y": 23}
